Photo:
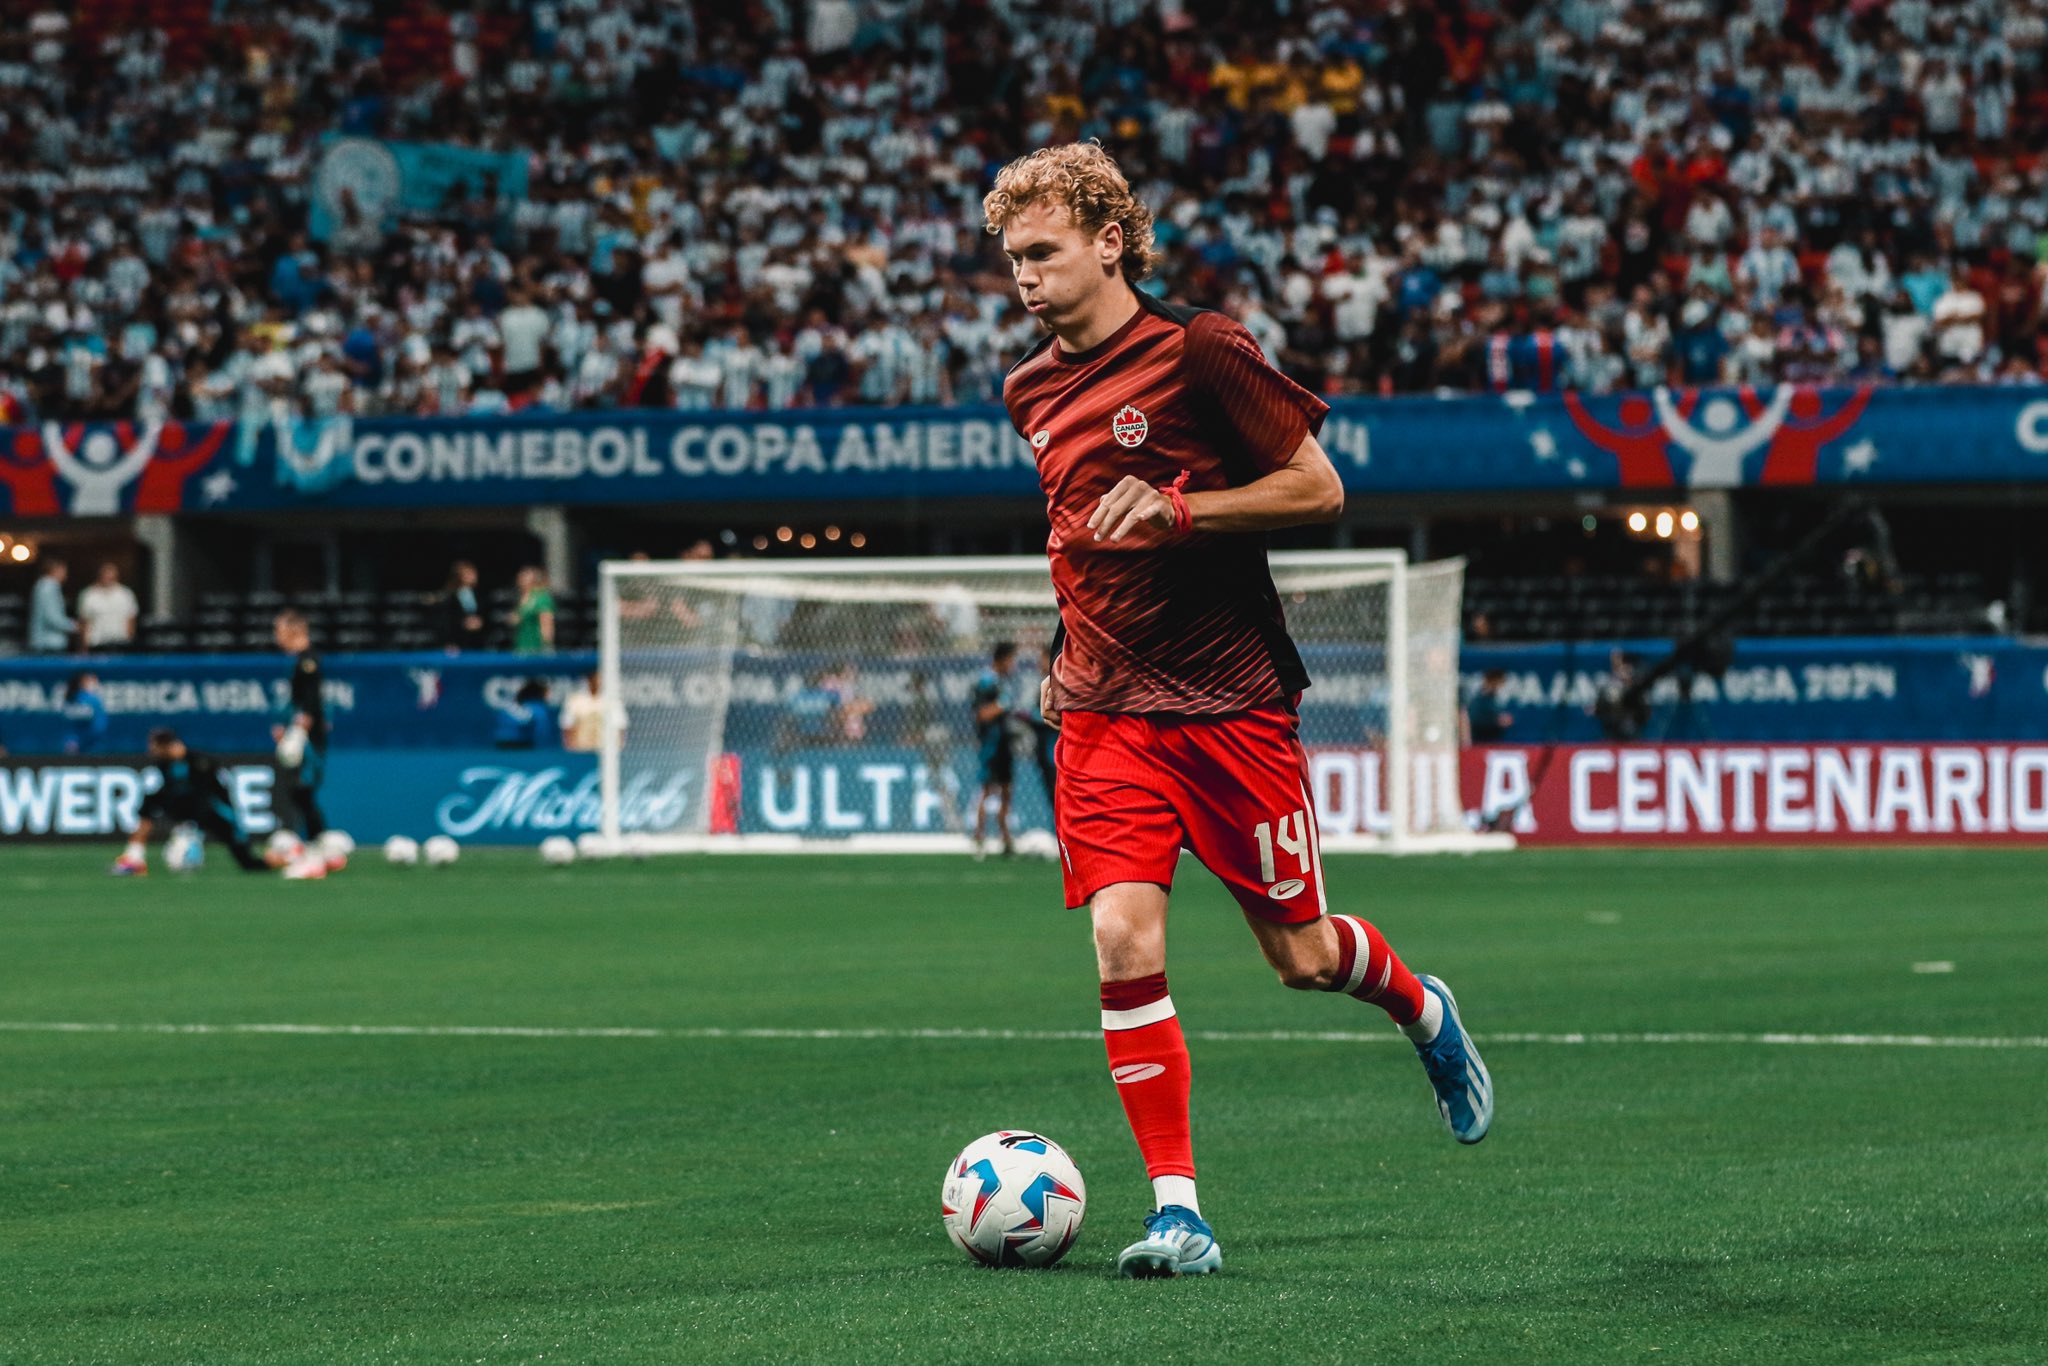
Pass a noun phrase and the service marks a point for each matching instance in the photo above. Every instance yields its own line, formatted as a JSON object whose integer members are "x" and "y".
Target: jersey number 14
{"x": 1292, "y": 836}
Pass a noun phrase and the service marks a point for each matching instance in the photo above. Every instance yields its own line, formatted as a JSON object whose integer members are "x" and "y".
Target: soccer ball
{"x": 1013, "y": 1198}
{"x": 335, "y": 847}
{"x": 402, "y": 850}
{"x": 440, "y": 850}
{"x": 1038, "y": 844}
{"x": 558, "y": 850}
{"x": 285, "y": 845}
{"x": 185, "y": 850}
{"x": 309, "y": 866}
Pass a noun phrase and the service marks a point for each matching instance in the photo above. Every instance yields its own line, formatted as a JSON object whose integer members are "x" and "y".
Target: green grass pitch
{"x": 239, "y": 1197}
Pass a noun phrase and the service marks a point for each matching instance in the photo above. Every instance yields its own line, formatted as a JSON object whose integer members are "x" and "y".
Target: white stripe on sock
{"x": 1139, "y": 1016}
{"x": 1361, "y": 959}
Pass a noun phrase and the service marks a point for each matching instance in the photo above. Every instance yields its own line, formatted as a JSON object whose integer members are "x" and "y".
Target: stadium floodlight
{"x": 777, "y": 705}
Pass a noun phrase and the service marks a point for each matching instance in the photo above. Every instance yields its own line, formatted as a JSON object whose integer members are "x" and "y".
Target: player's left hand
{"x": 1132, "y": 503}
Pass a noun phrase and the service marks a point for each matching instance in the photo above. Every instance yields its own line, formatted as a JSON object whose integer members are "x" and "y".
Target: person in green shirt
{"x": 533, "y": 620}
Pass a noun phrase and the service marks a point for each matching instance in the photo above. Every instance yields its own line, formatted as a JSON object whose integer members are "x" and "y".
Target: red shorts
{"x": 1137, "y": 788}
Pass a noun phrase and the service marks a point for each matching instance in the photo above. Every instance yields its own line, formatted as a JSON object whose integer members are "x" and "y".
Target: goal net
{"x": 833, "y": 705}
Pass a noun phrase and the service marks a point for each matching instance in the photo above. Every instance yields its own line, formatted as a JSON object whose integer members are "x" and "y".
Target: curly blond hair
{"x": 1087, "y": 180}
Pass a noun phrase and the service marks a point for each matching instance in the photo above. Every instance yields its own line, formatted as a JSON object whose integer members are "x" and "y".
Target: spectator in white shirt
{"x": 1708, "y": 224}
{"x": 1356, "y": 295}
{"x": 693, "y": 378}
{"x": 782, "y": 377}
{"x": 1959, "y": 322}
{"x": 597, "y": 374}
{"x": 665, "y": 279}
{"x": 739, "y": 365}
{"x": 583, "y": 718}
{"x": 522, "y": 337}
{"x": 1904, "y": 329}
{"x": 107, "y": 611}
{"x": 1767, "y": 269}
{"x": 1941, "y": 98}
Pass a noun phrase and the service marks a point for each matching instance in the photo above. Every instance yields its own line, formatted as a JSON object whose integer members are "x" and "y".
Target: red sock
{"x": 1148, "y": 1060}
{"x": 1371, "y": 971}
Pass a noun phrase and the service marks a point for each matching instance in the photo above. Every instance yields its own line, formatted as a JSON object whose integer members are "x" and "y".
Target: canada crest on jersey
{"x": 1129, "y": 426}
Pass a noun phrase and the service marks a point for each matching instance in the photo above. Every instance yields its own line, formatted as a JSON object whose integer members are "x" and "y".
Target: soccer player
{"x": 1043, "y": 733}
{"x": 189, "y": 789}
{"x": 85, "y": 715}
{"x": 993, "y": 726}
{"x": 1166, "y": 446}
{"x": 301, "y": 733}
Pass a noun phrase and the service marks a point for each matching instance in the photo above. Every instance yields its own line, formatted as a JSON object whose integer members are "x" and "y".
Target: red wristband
{"x": 1183, "y": 520}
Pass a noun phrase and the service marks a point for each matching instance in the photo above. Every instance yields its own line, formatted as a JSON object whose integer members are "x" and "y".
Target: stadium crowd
{"x": 778, "y": 204}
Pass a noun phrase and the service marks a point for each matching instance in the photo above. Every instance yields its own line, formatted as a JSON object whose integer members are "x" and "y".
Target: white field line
{"x": 1777, "y": 1040}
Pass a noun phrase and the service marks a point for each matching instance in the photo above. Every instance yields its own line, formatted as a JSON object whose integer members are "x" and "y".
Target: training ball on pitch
{"x": 307, "y": 867}
{"x": 335, "y": 847}
{"x": 402, "y": 850}
{"x": 1013, "y": 1198}
{"x": 558, "y": 850}
{"x": 185, "y": 850}
{"x": 1038, "y": 844}
{"x": 285, "y": 845}
{"x": 440, "y": 851}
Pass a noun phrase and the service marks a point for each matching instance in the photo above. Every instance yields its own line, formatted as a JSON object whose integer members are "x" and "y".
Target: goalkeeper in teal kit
{"x": 996, "y": 726}
{"x": 190, "y": 791}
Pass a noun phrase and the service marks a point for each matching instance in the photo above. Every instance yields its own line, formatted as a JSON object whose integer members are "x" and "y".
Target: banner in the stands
{"x": 1942, "y": 688}
{"x": 371, "y": 182}
{"x": 1657, "y": 441}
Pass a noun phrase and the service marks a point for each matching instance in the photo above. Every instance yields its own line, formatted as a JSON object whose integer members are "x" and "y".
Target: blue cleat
{"x": 1464, "y": 1088}
{"x": 128, "y": 867}
{"x": 1176, "y": 1243}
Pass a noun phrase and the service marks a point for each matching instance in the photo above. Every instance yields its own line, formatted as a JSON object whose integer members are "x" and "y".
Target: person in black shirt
{"x": 301, "y": 734}
{"x": 462, "y": 611}
{"x": 1046, "y": 733}
{"x": 189, "y": 790}
{"x": 996, "y": 725}
{"x": 1489, "y": 723}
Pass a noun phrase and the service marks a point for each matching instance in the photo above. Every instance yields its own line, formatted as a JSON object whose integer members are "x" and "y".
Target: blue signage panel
{"x": 1948, "y": 688}
{"x": 523, "y": 797}
{"x": 1937, "y": 688}
{"x": 228, "y": 702}
{"x": 1787, "y": 436}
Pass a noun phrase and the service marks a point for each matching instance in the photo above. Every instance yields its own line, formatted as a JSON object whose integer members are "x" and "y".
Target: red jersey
{"x": 1158, "y": 622}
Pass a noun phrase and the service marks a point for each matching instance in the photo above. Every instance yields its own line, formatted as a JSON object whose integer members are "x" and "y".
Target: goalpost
{"x": 782, "y": 706}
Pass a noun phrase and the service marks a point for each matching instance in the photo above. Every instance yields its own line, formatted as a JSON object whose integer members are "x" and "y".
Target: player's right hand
{"x": 1052, "y": 718}
{"x": 1132, "y": 503}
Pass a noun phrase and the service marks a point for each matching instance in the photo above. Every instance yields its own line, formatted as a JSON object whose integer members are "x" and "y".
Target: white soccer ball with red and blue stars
{"x": 1013, "y": 1198}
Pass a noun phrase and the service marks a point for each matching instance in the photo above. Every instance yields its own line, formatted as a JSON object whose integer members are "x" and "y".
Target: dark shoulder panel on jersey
{"x": 1041, "y": 354}
{"x": 1182, "y": 314}
{"x": 1038, "y": 349}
